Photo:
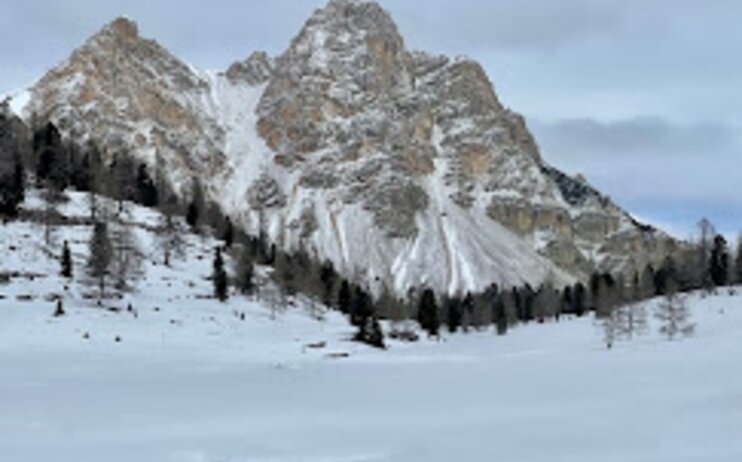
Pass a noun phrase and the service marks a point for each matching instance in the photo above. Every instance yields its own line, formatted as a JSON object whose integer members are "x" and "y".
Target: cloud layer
{"x": 668, "y": 172}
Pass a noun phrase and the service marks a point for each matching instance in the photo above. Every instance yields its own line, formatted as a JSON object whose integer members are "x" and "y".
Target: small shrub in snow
{"x": 59, "y": 311}
{"x": 370, "y": 333}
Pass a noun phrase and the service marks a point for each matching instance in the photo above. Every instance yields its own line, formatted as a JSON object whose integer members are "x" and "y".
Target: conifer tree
{"x": 19, "y": 179}
{"x": 719, "y": 264}
{"x": 467, "y": 312}
{"x": 453, "y": 313}
{"x": 245, "y": 273}
{"x": 228, "y": 234}
{"x": 370, "y": 333}
{"x": 52, "y": 167}
{"x": 197, "y": 205}
{"x": 738, "y": 262}
{"x": 122, "y": 186}
{"x": 519, "y": 303}
{"x": 271, "y": 255}
{"x": 547, "y": 301}
{"x": 192, "y": 215}
{"x": 500, "y": 314}
{"x": 344, "y": 297}
{"x": 12, "y": 187}
{"x": 579, "y": 299}
{"x": 146, "y": 190}
{"x": 59, "y": 310}
{"x": 666, "y": 275}
{"x": 12, "y": 184}
{"x": 66, "y": 261}
{"x": 595, "y": 286}
{"x": 529, "y": 299}
{"x": 567, "y": 301}
{"x": 286, "y": 273}
{"x": 219, "y": 277}
{"x": 328, "y": 277}
{"x": 647, "y": 282}
{"x": 705, "y": 244}
{"x": 361, "y": 308}
{"x": 427, "y": 314}
{"x": 79, "y": 168}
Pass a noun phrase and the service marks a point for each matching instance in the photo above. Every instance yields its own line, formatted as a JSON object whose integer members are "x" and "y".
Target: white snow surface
{"x": 189, "y": 381}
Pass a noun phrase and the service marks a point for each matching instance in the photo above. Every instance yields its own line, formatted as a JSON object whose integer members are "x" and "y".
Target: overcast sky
{"x": 642, "y": 96}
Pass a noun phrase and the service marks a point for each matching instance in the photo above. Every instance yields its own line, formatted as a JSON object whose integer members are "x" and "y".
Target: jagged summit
{"x": 119, "y": 36}
{"x": 123, "y": 27}
{"x": 356, "y": 15}
{"x": 128, "y": 93}
{"x": 343, "y": 34}
{"x": 402, "y": 168}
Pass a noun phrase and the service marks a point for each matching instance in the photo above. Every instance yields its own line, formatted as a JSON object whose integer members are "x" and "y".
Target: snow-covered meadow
{"x": 191, "y": 381}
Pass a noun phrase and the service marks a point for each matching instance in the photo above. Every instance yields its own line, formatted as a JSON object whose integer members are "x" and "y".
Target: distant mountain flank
{"x": 402, "y": 168}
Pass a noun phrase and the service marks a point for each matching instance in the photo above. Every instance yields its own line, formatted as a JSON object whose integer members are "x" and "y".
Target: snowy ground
{"x": 191, "y": 382}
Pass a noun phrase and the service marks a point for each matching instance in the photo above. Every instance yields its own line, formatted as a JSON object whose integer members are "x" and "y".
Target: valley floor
{"x": 190, "y": 381}
{"x": 227, "y": 391}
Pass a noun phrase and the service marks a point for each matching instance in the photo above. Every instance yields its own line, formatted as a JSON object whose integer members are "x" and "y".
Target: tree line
{"x": 115, "y": 259}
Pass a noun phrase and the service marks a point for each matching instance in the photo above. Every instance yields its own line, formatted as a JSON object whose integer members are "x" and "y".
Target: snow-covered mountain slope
{"x": 171, "y": 305}
{"x": 190, "y": 381}
{"x": 402, "y": 168}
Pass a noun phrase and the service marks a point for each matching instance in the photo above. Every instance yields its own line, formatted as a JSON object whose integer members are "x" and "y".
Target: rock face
{"x": 130, "y": 94}
{"x": 403, "y": 168}
{"x": 256, "y": 69}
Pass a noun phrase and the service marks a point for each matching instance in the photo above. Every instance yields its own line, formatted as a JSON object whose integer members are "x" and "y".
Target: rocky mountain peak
{"x": 123, "y": 28}
{"x": 402, "y": 168}
{"x": 344, "y": 35}
{"x": 129, "y": 93}
{"x": 355, "y": 16}
{"x": 347, "y": 57}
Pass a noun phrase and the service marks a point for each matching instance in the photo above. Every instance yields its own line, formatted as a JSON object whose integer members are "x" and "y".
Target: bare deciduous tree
{"x": 674, "y": 315}
{"x": 170, "y": 235}
{"x": 632, "y": 320}
{"x": 100, "y": 256}
{"x": 127, "y": 258}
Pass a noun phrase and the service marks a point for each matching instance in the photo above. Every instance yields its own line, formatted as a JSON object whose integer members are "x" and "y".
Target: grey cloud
{"x": 503, "y": 24}
{"x": 674, "y": 173}
{"x": 636, "y": 138}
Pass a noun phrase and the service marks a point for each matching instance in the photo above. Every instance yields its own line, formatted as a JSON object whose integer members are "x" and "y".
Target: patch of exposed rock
{"x": 255, "y": 70}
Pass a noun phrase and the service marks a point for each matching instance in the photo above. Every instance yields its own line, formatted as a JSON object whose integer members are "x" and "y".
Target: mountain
{"x": 401, "y": 167}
